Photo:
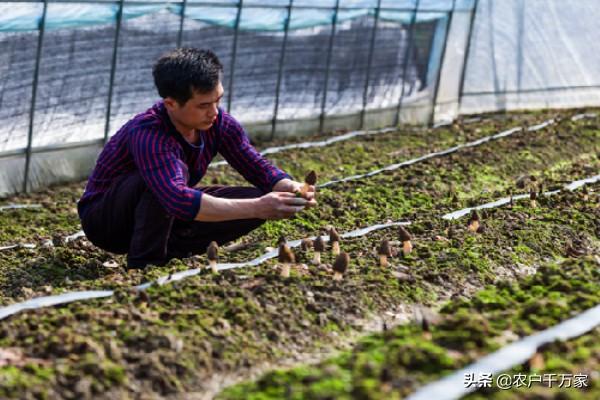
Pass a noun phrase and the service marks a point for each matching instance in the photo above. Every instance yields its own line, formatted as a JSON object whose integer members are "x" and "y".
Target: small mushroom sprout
{"x": 405, "y": 238}
{"x": 473, "y": 224}
{"x": 384, "y": 252}
{"x": 533, "y": 198}
{"x": 309, "y": 180}
{"x": 306, "y": 244}
{"x": 334, "y": 239}
{"x": 286, "y": 257}
{"x": 319, "y": 246}
{"x": 212, "y": 253}
{"x": 281, "y": 240}
{"x": 340, "y": 266}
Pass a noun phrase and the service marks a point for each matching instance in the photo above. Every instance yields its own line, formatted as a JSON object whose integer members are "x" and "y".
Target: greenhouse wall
{"x": 72, "y": 72}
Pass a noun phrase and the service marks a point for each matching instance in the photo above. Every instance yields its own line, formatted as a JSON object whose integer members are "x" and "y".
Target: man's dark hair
{"x": 181, "y": 71}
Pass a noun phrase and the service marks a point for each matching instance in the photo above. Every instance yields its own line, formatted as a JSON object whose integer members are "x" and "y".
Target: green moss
{"x": 177, "y": 336}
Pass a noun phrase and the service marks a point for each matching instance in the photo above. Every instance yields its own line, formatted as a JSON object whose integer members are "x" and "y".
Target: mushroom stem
{"x": 335, "y": 248}
{"x": 213, "y": 266}
{"x": 383, "y": 261}
{"x": 337, "y": 276}
{"x": 285, "y": 270}
{"x": 473, "y": 225}
{"x": 317, "y": 258}
{"x": 304, "y": 189}
{"x": 533, "y": 199}
{"x": 406, "y": 247}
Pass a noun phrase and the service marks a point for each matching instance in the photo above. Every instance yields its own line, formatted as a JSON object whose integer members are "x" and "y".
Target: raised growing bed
{"x": 205, "y": 332}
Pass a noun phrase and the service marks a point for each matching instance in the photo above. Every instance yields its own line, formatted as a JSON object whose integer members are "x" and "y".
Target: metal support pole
{"x": 36, "y": 76}
{"x": 181, "y": 22}
{"x": 463, "y": 73}
{"x": 520, "y": 34}
{"x": 369, "y": 63}
{"x": 410, "y": 40}
{"x": 234, "y": 53}
{"x": 439, "y": 72}
{"x": 286, "y": 29}
{"x": 113, "y": 68}
{"x": 328, "y": 64}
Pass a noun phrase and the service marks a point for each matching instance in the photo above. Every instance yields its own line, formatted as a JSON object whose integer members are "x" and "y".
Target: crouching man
{"x": 144, "y": 196}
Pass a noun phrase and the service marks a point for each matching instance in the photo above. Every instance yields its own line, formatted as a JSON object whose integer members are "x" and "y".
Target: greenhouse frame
{"x": 74, "y": 71}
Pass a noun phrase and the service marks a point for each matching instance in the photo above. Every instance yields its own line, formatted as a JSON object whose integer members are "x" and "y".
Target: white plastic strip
{"x": 378, "y": 171}
{"x": 571, "y": 186}
{"x": 427, "y": 156}
{"x": 19, "y": 206}
{"x": 577, "y": 184}
{"x": 577, "y": 117}
{"x": 318, "y": 143}
{"x": 541, "y": 126}
{"x": 359, "y": 232}
{"x": 74, "y": 236}
{"x": 14, "y": 308}
{"x": 268, "y": 255}
{"x": 453, "y": 386}
{"x": 22, "y": 245}
{"x": 76, "y": 296}
{"x": 48, "y": 301}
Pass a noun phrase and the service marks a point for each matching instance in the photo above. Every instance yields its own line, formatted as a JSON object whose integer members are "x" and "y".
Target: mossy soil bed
{"x": 198, "y": 334}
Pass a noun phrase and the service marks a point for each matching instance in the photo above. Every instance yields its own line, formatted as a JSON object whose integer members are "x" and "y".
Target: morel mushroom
{"x": 212, "y": 253}
{"x": 334, "y": 239}
{"x": 536, "y": 362}
{"x": 473, "y": 224}
{"x": 340, "y": 266}
{"x": 286, "y": 257}
{"x": 533, "y": 198}
{"x": 405, "y": 238}
{"x": 306, "y": 244}
{"x": 311, "y": 179}
{"x": 319, "y": 246}
{"x": 585, "y": 193}
{"x": 384, "y": 252}
{"x": 281, "y": 240}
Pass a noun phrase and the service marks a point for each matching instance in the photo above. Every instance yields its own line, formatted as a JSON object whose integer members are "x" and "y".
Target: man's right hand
{"x": 279, "y": 205}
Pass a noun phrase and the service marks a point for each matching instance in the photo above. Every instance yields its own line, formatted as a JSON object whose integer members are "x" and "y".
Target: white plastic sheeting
{"x": 528, "y": 54}
{"x": 464, "y": 56}
{"x": 453, "y": 386}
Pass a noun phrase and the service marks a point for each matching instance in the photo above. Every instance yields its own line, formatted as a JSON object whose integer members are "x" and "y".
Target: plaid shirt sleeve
{"x": 241, "y": 155}
{"x": 164, "y": 172}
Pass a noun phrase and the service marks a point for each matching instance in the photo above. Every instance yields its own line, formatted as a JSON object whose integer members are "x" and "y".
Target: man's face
{"x": 199, "y": 112}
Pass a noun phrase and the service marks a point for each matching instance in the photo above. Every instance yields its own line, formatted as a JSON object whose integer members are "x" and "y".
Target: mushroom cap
{"x": 333, "y": 235}
{"x": 285, "y": 254}
{"x": 384, "y": 248}
{"x": 532, "y": 195}
{"x": 341, "y": 262}
{"x": 311, "y": 178}
{"x": 319, "y": 244}
{"x": 212, "y": 251}
{"x": 474, "y": 216}
{"x": 306, "y": 244}
{"x": 281, "y": 240}
{"x": 403, "y": 233}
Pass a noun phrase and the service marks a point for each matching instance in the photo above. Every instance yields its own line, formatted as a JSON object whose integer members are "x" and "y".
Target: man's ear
{"x": 171, "y": 104}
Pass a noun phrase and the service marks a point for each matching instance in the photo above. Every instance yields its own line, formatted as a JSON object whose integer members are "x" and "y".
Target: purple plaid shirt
{"x": 170, "y": 166}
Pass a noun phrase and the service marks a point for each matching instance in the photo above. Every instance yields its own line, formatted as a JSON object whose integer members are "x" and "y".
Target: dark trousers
{"x": 129, "y": 219}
